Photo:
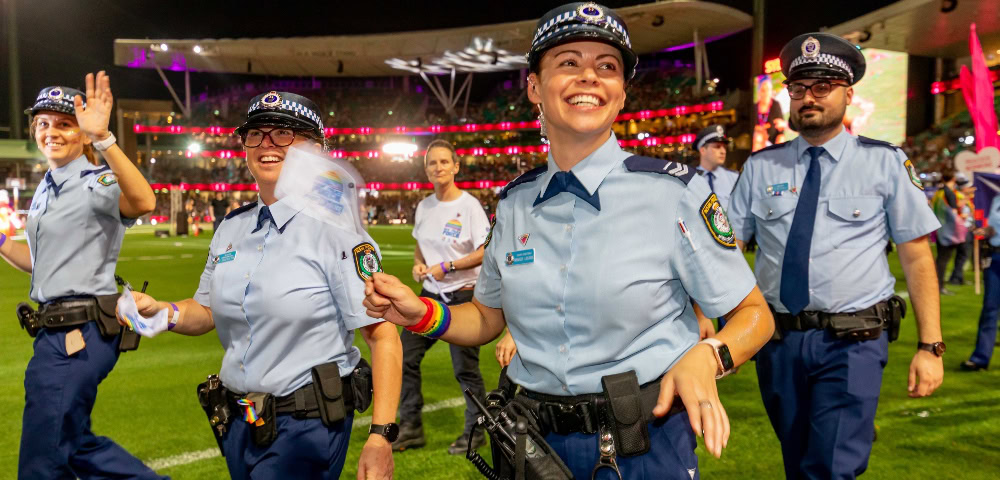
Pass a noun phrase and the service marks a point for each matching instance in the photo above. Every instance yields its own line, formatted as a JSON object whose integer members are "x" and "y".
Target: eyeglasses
{"x": 280, "y": 137}
{"x": 819, "y": 89}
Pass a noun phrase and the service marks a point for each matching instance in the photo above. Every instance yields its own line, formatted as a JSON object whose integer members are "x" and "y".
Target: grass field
{"x": 147, "y": 404}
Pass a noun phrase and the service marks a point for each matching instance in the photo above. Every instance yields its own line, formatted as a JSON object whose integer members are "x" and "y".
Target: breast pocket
{"x": 856, "y": 222}
{"x": 773, "y": 209}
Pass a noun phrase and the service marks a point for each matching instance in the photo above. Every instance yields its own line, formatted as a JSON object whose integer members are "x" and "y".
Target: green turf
{"x": 147, "y": 404}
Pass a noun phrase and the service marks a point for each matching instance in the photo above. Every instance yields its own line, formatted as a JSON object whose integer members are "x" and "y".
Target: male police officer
{"x": 711, "y": 144}
{"x": 823, "y": 207}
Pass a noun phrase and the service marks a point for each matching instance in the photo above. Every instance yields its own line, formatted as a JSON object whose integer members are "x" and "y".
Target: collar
{"x": 593, "y": 169}
{"x": 71, "y": 169}
{"x": 282, "y": 211}
{"x": 834, "y": 147}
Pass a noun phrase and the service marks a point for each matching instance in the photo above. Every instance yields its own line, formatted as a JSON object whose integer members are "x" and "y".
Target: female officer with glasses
{"x": 592, "y": 263}
{"x": 75, "y": 227}
{"x": 284, "y": 291}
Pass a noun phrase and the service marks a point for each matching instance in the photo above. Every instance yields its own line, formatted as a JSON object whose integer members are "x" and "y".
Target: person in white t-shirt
{"x": 450, "y": 228}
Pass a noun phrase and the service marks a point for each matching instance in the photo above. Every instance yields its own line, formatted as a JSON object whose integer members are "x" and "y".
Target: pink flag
{"x": 978, "y": 92}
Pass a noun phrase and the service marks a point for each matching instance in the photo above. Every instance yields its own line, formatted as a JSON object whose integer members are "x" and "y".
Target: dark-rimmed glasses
{"x": 819, "y": 89}
{"x": 280, "y": 137}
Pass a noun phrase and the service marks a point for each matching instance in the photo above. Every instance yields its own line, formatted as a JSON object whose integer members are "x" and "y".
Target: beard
{"x": 825, "y": 120}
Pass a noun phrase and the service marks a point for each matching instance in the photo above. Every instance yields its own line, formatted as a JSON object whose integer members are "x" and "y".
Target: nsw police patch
{"x": 717, "y": 222}
{"x": 489, "y": 236}
{"x": 912, "y": 172}
{"x": 107, "y": 179}
{"x": 366, "y": 261}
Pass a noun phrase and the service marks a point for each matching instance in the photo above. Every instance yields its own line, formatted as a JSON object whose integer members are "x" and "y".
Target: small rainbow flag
{"x": 249, "y": 412}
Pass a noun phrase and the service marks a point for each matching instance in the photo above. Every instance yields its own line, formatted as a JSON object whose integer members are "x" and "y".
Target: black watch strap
{"x": 389, "y": 430}
{"x": 937, "y": 348}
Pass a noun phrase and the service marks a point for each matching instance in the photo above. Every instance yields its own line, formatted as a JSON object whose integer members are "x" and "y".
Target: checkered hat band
{"x": 67, "y": 99}
{"x": 821, "y": 59}
{"x": 708, "y": 138}
{"x": 293, "y": 107}
{"x": 565, "y": 20}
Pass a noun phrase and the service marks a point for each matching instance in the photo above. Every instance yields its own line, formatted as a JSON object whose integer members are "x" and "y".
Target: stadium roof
{"x": 653, "y": 27}
{"x": 920, "y": 27}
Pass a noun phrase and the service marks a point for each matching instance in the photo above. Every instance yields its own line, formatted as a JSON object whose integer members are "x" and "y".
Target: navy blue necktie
{"x": 262, "y": 218}
{"x": 567, "y": 182}
{"x": 795, "y": 267}
{"x": 52, "y": 183}
{"x": 711, "y": 181}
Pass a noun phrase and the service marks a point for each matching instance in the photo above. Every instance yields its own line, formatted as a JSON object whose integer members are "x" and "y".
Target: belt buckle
{"x": 564, "y": 416}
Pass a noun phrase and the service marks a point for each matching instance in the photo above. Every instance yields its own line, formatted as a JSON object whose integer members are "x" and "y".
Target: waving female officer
{"x": 75, "y": 227}
{"x": 284, "y": 292}
{"x": 592, "y": 263}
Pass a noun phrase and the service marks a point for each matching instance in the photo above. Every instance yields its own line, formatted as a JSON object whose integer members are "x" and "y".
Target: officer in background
{"x": 605, "y": 338}
{"x": 823, "y": 207}
{"x": 284, "y": 291}
{"x": 986, "y": 337}
{"x": 712, "y": 143}
{"x": 75, "y": 227}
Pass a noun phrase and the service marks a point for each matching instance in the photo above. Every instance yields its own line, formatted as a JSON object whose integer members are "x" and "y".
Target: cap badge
{"x": 55, "y": 94}
{"x": 810, "y": 48}
{"x": 590, "y": 13}
{"x": 271, "y": 100}
{"x": 718, "y": 130}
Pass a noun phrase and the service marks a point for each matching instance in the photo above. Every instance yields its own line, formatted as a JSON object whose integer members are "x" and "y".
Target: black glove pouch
{"x": 628, "y": 423}
{"x": 329, "y": 393}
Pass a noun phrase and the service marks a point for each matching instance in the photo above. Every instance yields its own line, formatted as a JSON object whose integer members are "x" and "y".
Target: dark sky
{"x": 61, "y": 40}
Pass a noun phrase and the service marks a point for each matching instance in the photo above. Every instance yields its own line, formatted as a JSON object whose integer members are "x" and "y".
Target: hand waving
{"x": 94, "y": 118}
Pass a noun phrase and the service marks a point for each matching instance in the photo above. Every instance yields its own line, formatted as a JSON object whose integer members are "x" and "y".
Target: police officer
{"x": 987, "y": 335}
{"x": 75, "y": 226}
{"x": 711, "y": 143}
{"x": 823, "y": 207}
{"x": 284, "y": 292}
{"x": 594, "y": 306}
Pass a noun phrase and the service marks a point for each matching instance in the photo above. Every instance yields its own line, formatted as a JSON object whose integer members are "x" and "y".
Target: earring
{"x": 541, "y": 121}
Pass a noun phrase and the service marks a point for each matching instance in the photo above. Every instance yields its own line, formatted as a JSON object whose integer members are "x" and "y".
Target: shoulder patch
{"x": 677, "y": 170}
{"x": 717, "y": 222}
{"x": 107, "y": 179}
{"x": 911, "y": 171}
{"x": 872, "y": 141}
{"x": 366, "y": 261}
{"x": 525, "y": 177}
{"x": 489, "y": 236}
{"x": 240, "y": 210}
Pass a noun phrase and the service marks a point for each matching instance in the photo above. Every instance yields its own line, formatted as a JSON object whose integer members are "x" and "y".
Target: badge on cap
{"x": 718, "y": 130}
{"x": 55, "y": 94}
{"x": 271, "y": 100}
{"x": 810, "y": 48}
{"x": 366, "y": 261}
{"x": 590, "y": 12}
{"x": 717, "y": 223}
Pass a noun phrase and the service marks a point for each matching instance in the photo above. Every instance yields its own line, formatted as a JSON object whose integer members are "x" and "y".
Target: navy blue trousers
{"x": 671, "y": 455}
{"x": 987, "y": 336}
{"x": 821, "y": 395}
{"x": 59, "y": 393}
{"x": 304, "y": 448}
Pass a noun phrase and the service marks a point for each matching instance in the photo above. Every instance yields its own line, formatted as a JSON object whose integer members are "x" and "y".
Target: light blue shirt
{"x": 724, "y": 180}
{"x": 75, "y": 236}
{"x": 867, "y": 196}
{"x": 608, "y": 290}
{"x": 284, "y": 299}
{"x": 993, "y": 219}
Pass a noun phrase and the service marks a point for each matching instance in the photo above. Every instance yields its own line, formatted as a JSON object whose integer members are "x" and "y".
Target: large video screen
{"x": 877, "y": 110}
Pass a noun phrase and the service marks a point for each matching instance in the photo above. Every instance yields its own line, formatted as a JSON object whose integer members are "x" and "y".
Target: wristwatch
{"x": 390, "y": 431}
{"x": 937, "y": 348}
{"x": 722, "y": 356}
{"x": 106, "y": 143}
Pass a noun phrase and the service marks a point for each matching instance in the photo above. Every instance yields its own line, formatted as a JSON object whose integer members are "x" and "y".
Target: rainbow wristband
{"x": 435, "y": 322}
{"x": 173, "y": 317}
{"x": 444, "y": 268}
{"x": 3, "y": 239}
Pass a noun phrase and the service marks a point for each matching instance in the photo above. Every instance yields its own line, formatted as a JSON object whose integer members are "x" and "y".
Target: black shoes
{"x": 970, "y": 366}
{"x": 410, "y": 436}
{"x": 461, "y": 445}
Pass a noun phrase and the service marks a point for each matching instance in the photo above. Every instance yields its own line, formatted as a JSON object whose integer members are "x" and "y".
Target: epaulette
{"x": 240, "y": 210}
{"x": 525, "y": 177}
{"x": 94, "y": 171}
{"x": 872, "y": 141}
{"x": 679, "y": 171}
{"x": 772, "y": 147}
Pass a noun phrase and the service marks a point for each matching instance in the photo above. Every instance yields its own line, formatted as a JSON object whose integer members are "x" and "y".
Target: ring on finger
{"x": 705, "y": 404}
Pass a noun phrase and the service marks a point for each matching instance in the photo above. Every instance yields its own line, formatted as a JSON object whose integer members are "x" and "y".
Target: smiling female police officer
{"x": 75, "y": 227}
{"x": 284, "y": 292}
{"x": 592, "y": 264}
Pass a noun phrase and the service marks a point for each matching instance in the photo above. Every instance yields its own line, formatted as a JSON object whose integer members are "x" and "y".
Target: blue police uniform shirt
{"x": 609, "y": 290}
{"x": 868, "y": 194}
{"x": 74, "y": 231}
{"x": 724, "y": 181}
{"x": 284, "y": 298}
{"x": 993, "y": 219}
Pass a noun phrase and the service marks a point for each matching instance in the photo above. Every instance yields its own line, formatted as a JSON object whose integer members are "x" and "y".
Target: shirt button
{"x": 562, "y": 268}
{"x": 857, "y": 213}
{"x": 769, "y": 212}
{"x": 559, "y": 308}
{"x": 260, "y": 248}
{"x": 246, "y": 275}
{"x": 569, "y": 227}
{"x": 241, "y": 366}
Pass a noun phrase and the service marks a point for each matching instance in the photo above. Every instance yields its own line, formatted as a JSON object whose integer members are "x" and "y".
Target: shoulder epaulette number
{"x": 677, "y": 170}
{"x": 525, "y": 177}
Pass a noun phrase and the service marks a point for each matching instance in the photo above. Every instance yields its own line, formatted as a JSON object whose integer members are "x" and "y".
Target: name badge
{"x": 521, "y": 257}
{"x": 777, "y": 188}
{"x": 226, "y": 257}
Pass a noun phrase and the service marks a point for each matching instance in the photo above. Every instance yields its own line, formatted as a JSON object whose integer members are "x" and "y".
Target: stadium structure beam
{"x": 185, "y": 108}
{"x": 450, "y": 99}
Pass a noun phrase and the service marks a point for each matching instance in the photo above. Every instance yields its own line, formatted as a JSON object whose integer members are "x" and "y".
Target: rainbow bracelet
{"x": 3, "y": 239}
{"x": 435, "y": 322}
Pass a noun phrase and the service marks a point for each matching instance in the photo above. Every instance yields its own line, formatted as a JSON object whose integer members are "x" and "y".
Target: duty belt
{"x": 301, "y": 403}
{"x": 812, "y": 320}
{"x": 581, "y": 413}
{"x": 66, "y": 313}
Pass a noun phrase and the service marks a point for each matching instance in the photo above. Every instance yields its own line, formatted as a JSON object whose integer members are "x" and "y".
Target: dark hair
{"x": 947, "y": 174}
{"x": 441, "y": 143}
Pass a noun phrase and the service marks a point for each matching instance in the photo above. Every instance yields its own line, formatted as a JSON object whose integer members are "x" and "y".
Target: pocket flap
{"x": 855, "y": 209}
{"x": 771, "y": 208}
{"x": 326, "y": 379}
{"x": 627, "y": 410}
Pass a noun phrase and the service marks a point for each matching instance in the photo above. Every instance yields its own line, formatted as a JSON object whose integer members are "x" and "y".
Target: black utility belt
{"x": 866, "y": 324}
{"x": 73, "y": 312}
{"x": 301, "y": 403}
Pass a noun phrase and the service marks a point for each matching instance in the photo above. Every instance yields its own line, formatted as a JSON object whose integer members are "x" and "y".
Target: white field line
{"x": 196, "y": 456}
